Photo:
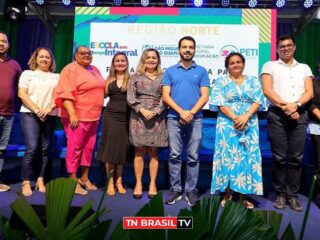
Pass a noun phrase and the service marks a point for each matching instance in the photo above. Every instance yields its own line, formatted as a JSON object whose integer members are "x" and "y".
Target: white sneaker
{"x": 4, "y": 187}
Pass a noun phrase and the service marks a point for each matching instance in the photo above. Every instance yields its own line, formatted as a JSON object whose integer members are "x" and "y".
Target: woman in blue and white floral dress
{"x": 237, "y": 158}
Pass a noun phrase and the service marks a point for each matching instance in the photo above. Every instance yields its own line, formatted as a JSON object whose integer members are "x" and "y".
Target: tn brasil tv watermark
{"x": 157, "y": 222}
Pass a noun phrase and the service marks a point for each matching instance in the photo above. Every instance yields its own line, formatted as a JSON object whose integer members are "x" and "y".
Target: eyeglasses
{"x": 282, "y": 47}
{"x": 85, "y": 53}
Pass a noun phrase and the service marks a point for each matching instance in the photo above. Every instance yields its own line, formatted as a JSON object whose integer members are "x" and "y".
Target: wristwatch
{"x": 298, "y": 104}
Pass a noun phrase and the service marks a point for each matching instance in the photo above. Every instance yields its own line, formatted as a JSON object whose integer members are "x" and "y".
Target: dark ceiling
{"x": 293, "y": 13}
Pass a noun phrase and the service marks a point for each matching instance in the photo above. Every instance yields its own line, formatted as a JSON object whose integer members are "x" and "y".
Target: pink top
{"x": 84, "y": 87}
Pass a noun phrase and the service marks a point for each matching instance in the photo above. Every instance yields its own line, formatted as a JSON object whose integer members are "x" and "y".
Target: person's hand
{"x": 147, "y": 114}
{"x": 289, "y": 108}
{"x": 186, "y": 117}
{"x": 182, "y": 122}
{"x": 42, "y": 113}
{"x": 74, "y": 121}
{"x": 295, "y": 116}
{"x": 240, "y": 122}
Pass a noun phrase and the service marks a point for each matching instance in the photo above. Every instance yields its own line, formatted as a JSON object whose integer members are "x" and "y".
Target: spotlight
{"x": 91, "y": 2}
{"x": 66, "y": 2}
{"x": 117, "y": 2}
{"x": 40, "y": 2}
{"x": 280, "y": 3}
{"x": 15, "y": 9}
{"x": 307, "y": 3}
{"x": 252, "y": 3}
{"x": 145, "y": 3}
{"x": 170, "y": 3}
{"x": 225, "y": 3}
{"x": 197, "y": 3}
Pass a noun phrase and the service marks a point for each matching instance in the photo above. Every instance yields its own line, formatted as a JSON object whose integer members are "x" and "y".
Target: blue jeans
{"x": 6, "y": 123}
{"x": 37, "y": 136}
{"x": 190, "y": 135}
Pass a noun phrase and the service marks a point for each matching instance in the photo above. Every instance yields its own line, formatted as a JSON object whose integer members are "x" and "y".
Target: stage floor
{"x": 125, "y": 205}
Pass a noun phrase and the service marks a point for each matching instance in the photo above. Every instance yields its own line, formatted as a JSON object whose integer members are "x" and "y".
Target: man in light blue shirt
{"x": 185, "y": 89}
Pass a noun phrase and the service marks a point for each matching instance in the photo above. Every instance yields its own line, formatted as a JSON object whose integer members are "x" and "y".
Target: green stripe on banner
{"x": 188, "y": 19}
{"x": 104, "y": 11}
{"x": 87, "y": 11}
{"x": 96, "y": 9}
{"x": 264, "y": 54}
{"x": 80, "y": 10}
{"x": 261, "y": 18}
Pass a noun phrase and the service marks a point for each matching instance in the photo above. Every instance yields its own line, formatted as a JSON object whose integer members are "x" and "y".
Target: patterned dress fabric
{"x": 237, "y": 157}
{"x": 145, "y": 92}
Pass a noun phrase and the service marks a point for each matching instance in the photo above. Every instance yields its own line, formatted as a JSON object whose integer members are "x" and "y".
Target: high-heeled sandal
{"x": 119, "y": 187}
{"x": 40, "y": 186}
{"x": 87, "y": 185}
{"x": 80, "y": 191}
{"x": 153, "y": 193}
{"x": 247, "y": 204}
{"x": 26, "y": 189}
{"x": 226, "y": 199}
{"x": 111, "y": 190}
{"x": 137, "y": 195}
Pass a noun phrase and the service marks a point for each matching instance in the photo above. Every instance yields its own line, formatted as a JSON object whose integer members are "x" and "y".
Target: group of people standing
{"x": 151, "y": 109}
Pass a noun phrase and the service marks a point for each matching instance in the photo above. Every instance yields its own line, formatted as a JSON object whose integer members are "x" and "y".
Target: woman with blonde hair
{"x": 114, "y": 145}
{"x": 147, "y": 126}
{"x": 38, "y": 111}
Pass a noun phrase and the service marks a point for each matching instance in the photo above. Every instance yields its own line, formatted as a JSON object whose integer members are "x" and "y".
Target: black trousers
{"x": 316, "y": 147}
{"x": 287, "y": 139}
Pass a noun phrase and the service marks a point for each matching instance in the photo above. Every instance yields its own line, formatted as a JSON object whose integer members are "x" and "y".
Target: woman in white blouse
{"x": 36, "y": 90}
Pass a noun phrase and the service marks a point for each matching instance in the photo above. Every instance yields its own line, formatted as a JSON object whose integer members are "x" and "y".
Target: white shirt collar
{"x": 295, "y": 62}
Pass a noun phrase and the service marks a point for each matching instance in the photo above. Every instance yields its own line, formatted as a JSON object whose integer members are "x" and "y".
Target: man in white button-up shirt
{"x": 288, "y": 86}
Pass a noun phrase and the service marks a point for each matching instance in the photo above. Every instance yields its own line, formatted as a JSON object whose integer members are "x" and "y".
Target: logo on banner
{"x": 227, "y": 49}
{"x": 165, "y": 50}
{"x": 247, "y": 52}
{"x": 111, "y": 48}
{"x": 157, "y": 222}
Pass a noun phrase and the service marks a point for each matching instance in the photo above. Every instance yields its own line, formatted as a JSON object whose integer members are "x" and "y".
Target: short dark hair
{"x": 286, "y": 37}
{"x": 77, "y": 49}
{"x": 187, "y": 38}
{"x": 226, "y": 62}
{"x": 4, "y": 33}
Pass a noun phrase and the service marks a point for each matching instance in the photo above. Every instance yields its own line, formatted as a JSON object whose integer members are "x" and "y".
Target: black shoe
{"x": 191, "y": 197}
{"x": 280, "y": 202}
{"x": 151, "y": 195}
{"x": 172, "y": 197}
{"x": 295, "y": 204}
{"x": 137, "y": 196}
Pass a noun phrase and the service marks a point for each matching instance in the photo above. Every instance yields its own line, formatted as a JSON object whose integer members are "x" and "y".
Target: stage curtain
{"x": 63, "y": 43}
{"x": 308, "y": 47}
{"x": 11, "y": 29}
{"x": 32, "y": 34}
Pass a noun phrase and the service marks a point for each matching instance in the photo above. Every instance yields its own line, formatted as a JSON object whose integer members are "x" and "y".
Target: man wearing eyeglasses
{"x": 288, "y": 86}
